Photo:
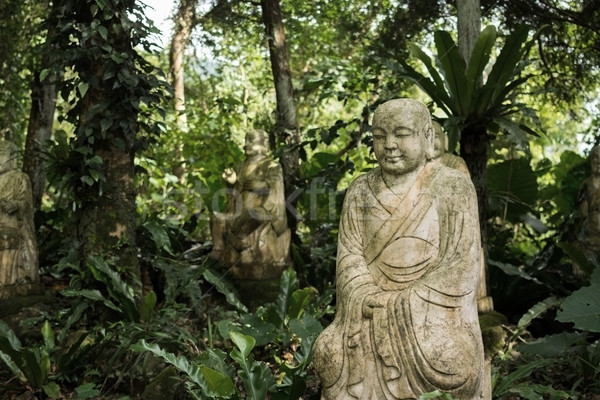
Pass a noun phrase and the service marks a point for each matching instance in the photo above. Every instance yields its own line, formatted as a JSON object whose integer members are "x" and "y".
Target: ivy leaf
{"x": 103, "y": 32}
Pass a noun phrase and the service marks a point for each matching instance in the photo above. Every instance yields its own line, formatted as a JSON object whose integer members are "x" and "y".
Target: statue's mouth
{"x": 393, "y": 159}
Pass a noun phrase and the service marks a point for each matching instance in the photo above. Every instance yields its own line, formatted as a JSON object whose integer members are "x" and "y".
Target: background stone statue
{"x": 590, "y": 207}
{"x": 407, "y": 270}
{"x": 18, "y": 251}
{"x": 485, "y": 303}
{"x": 252, "y": 236}
{"x": 440, "y": 146}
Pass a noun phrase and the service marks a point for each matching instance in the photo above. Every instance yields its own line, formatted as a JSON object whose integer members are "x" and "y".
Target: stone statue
{"x": 485, "y": 303}
{"x": 252, "y": 236}
{"x": 590, "y": 206}
{"x": 407, "y": 271}
{"x": 18, "y": 251}
{"x": 440, "y": 146}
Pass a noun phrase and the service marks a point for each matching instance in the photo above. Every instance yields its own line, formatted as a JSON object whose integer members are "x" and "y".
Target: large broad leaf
{"x": 512, "y": 184}
{"x": 480, "y": 57}
{"x": 225, "y": 288}
{"x": 537, "y": 310}
{"x": 437, "y": 88}
{"x": 453, "y": 66}
{"x": 554, "y": 345}
{"x": 582, "y": 307}
{"x": 257, "y": 381}
{"x": 504, "y": 67}
{"x": 437, "y": 93}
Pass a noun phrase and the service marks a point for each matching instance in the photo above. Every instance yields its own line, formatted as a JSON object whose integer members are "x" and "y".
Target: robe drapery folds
{"x": 417, "y": 255}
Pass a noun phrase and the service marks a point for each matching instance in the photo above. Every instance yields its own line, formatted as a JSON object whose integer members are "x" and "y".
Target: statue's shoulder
{"x": 450, "y": 182}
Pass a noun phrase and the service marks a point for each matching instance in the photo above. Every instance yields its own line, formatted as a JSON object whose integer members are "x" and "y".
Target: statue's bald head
{"x": 408, "y": 112}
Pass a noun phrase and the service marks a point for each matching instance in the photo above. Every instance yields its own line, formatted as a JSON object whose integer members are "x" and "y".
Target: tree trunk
{"x": 469, "y": 26}
{"x": 185, "y": 19}
{"x": 106, "y": 130}
{"x": 41, "y": 118}
{"x": 39, "y": 131}
{"x": 287, "y": 132}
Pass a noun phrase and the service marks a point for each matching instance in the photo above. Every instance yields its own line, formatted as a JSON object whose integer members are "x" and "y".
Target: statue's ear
{"x": 429, "y": 139}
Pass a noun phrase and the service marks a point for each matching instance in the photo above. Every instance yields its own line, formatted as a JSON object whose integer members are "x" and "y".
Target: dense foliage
{"x": 151, "y": 316}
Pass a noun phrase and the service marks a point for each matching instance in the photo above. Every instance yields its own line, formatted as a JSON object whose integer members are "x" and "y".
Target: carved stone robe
{"x": 419, "y": 255}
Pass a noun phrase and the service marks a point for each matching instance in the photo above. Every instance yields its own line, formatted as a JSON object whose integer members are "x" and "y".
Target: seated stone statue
{"x": 407, "y": 269}
{"x": 590, "y": 206}
{"x": 440, "y": 146}
{"x": 18, "y": 252}
{"x": 252, "y": 236}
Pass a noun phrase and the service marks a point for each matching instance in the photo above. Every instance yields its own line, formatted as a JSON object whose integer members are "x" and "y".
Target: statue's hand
{"x": 9, "y": 207}
{"x": 372, "y": 301}
{"x": 255, "y": 185}
{"x": 229, "y": 176}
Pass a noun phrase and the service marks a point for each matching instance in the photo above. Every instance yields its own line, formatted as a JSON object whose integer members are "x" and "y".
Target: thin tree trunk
{"x": 39, "y": 131}
{"x": 41, "y": 118}
{"x": 185, "y": 19}
{"x": 287, "y": 120}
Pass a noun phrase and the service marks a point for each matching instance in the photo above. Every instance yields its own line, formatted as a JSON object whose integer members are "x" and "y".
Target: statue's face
{"x": 254, "y": 145}
{"x": 7, "y": 161}
{"x": 439, "y": 141}
{"x": 399, "y": 141}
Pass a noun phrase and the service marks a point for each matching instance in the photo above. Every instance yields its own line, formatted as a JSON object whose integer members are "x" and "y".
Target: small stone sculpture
{"x": 252, "y": 237}
{"x": 18, "y": 252}
{"x": 407, "y": 270}
{"x": 590, "y": 207}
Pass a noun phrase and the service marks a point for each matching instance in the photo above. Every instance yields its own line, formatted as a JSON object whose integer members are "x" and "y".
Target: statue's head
{"x": 256, "y": 143}
{"x": 440, "y": 140}
{"x": 402, "y": 135}
{"x": 595, "y": 160}
{"x": 8, "y": 156}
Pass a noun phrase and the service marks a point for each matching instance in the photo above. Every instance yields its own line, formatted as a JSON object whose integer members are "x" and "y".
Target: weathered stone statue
{"x": 18, "y": 252}
{"x": 485, "y": 303}
{"x": 252, "y": 236}
{"x": 590, "y": 206}
{"x": 440, "y": 146}
{"x": 407, "y": 272}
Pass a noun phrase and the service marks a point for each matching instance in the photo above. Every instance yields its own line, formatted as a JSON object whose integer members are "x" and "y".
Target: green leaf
{"x": 537, "y": 310}
{"x": 512, "y": 184}
{"x": 52, "y": 390}
{"x": 288, "y": 284}
{"x": 454, "y": 71}
{"x": 553, "y": 345}
{"x": 224, "y": 288}
{"x": 257, "y": 381}
{"x": 43, "y": 74}
{"x": 217, "y": 382}
{"x": 244, "y": 343}
{"x": 513, "y": 270}
{"x": 480, "y": 57}
{"x": 82, "y": 88}
{"x": 582, "y": 308}
{"x": 440, "y": 88}
{"x": 103, "y": 32}
{"x": 87, "y": 391}
{"x": 506, "y": 63}
{"x": 298, "y": 302}
{"x": 148, "y": 306}
{"x": 523, "y": 371}
{"x": 436, "y": 394}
